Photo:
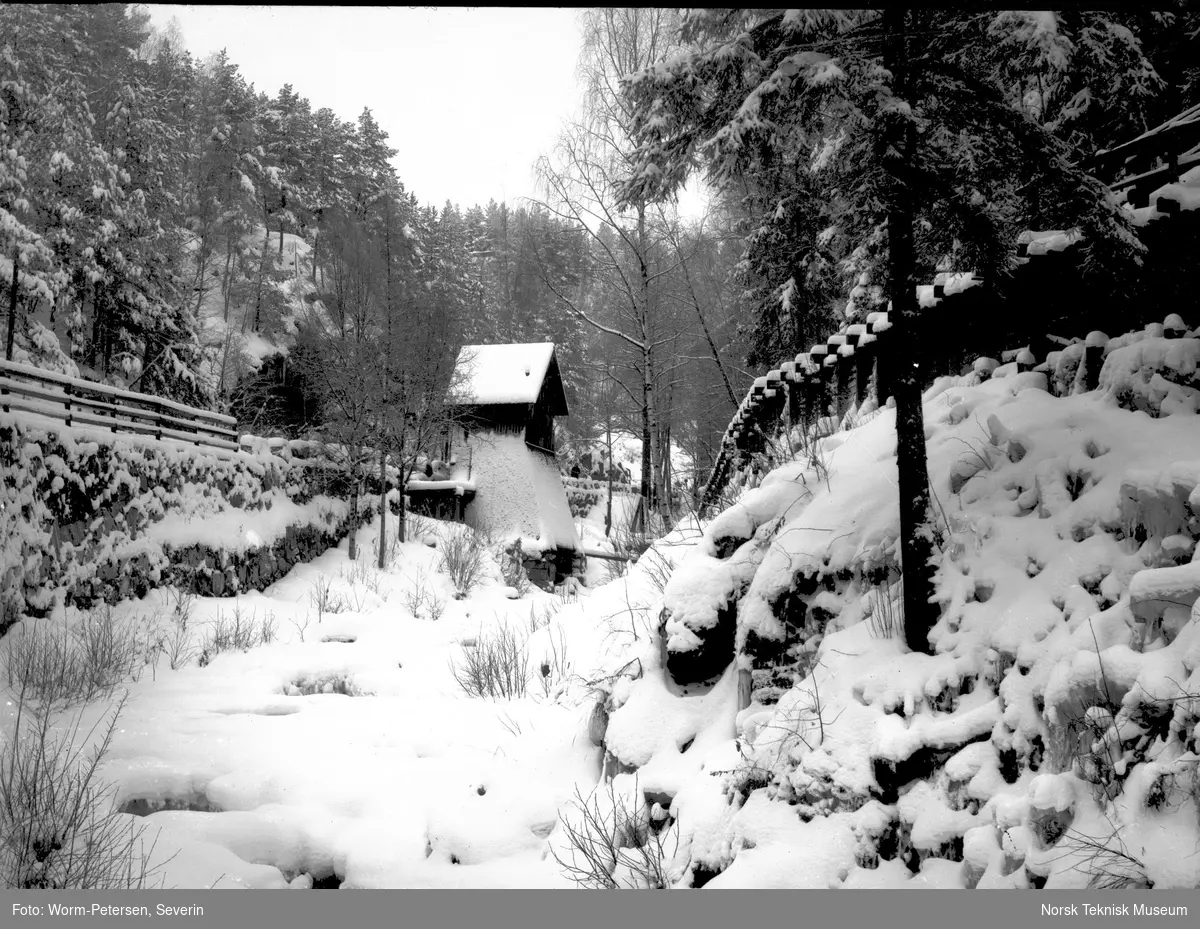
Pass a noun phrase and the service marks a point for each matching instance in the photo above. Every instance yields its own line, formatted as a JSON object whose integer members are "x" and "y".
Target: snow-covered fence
{"x": 831, "y": 377}
{"x": 850, "y": 369}
{"x": 1156, "y": 157}
{"x": 72, "y": 400}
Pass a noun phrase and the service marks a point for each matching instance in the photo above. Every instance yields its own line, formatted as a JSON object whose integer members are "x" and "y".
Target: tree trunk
{"x": 224, "y": 361}
{"x": 383, "y": 509}
{"x": 227, "y": 280}
{"x": 712, "y": 345}
{"x": 643, "y": 518}
{"x": 662, "y": 490}
{"x": 97, "y": 323}
{"x": 353, "y": 537}
{"x": 101, "y": 328}
{"x": 400, "y": 531}
{"x": 608, "y": 511}
{"x": 384, "y": 387}
{"x": 12, "y": 311}
{"x": 916, "y": 525}
{"x": 201, "y": 270}
{"x": 262, "y": 272}
{"x": 403, "y": 475}
{"x": 656, "y": 492}
{"x": 666, "y": 476}
{"x": 648, "y": 398}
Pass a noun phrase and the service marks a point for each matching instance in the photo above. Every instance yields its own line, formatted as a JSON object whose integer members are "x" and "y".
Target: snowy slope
{"x": 1050, "y": 739}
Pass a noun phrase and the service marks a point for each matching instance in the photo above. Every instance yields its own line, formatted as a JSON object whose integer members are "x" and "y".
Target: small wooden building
{"x": 510, "y": 389}
{"x": 501, "y": 447}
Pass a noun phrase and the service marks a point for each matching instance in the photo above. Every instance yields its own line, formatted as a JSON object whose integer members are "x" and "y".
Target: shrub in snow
{"x": 363, "y": 577}
{"x": 236, "y": 630}
{"x": 59, "y": 826}
{"x": 177, "y": 643}
{"x": 553, "y": 668}
{"x": 58, "y": 664}
{"x": 496, "y": 665}
{"x": 463, "y": 559}
{"x": 1104, "y": 861}
{"x": 421, "y": 599}
{"x": 885, "y": 611}
{"x": 612, "y": 840}
{"x": 324, "y": 598}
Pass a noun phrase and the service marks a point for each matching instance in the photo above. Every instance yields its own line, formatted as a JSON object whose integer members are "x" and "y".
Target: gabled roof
{"x": 491, "y": 375}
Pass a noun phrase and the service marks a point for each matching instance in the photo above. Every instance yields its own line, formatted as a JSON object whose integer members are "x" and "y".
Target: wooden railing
{"x": 828, "y": 379}
{"x": 1155, "y": 158}
{"x": 831, "y": 379}
{"x": 74, "y": 401}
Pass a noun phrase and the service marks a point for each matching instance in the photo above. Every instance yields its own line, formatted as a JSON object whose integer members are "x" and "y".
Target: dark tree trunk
{"x": 101, "y": 327}
{"x": 608, "y": 509}
{"x": 916, "y": 524}
{"x": 352, "y": 545}
{"x": 642, "y": 519}
{"x": 12, "y": 311}
{"x": 402, "y": 509}
{"x": 383, "y": 510}
{"x": 227, "y": 280}
{"x": 262, "y": 273}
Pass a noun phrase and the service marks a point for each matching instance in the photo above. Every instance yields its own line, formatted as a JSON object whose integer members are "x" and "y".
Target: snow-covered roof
{"x": 487, "y": 375}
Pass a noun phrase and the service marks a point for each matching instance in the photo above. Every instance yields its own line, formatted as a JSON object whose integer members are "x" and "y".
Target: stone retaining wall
{"x": 78, "y": 511}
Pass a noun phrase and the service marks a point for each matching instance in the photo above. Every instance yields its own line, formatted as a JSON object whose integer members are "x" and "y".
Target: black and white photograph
{"x": 557, "y": 448}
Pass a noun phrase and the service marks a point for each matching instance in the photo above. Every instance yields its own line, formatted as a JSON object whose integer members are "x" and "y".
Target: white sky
{"x": 469, "y": 96}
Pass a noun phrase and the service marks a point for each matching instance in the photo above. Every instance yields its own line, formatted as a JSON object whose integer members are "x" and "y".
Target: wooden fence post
{"x": 803, "y": 388}
{"x": 847, "y": 379}
{"x": 879, "y": 323}
{"x": 1093, "y": 358}
{"x": 818, "y": 354}
{"x": 829, "y": 384}
{"x": 863, "y": 361}
{"x": 838, "y": 376}
{"x": 791, "y": 381}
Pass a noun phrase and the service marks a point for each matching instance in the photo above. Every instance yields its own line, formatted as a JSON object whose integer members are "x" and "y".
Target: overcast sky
{"x": 469, "y": 96}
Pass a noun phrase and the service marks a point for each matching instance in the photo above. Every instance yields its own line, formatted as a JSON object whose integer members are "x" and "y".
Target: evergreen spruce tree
{"x": 923, "y": 157}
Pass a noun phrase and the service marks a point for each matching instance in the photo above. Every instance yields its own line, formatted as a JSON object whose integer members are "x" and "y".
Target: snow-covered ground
{"x": 345, "y": 747}
{"x": 1051, "y": 739}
